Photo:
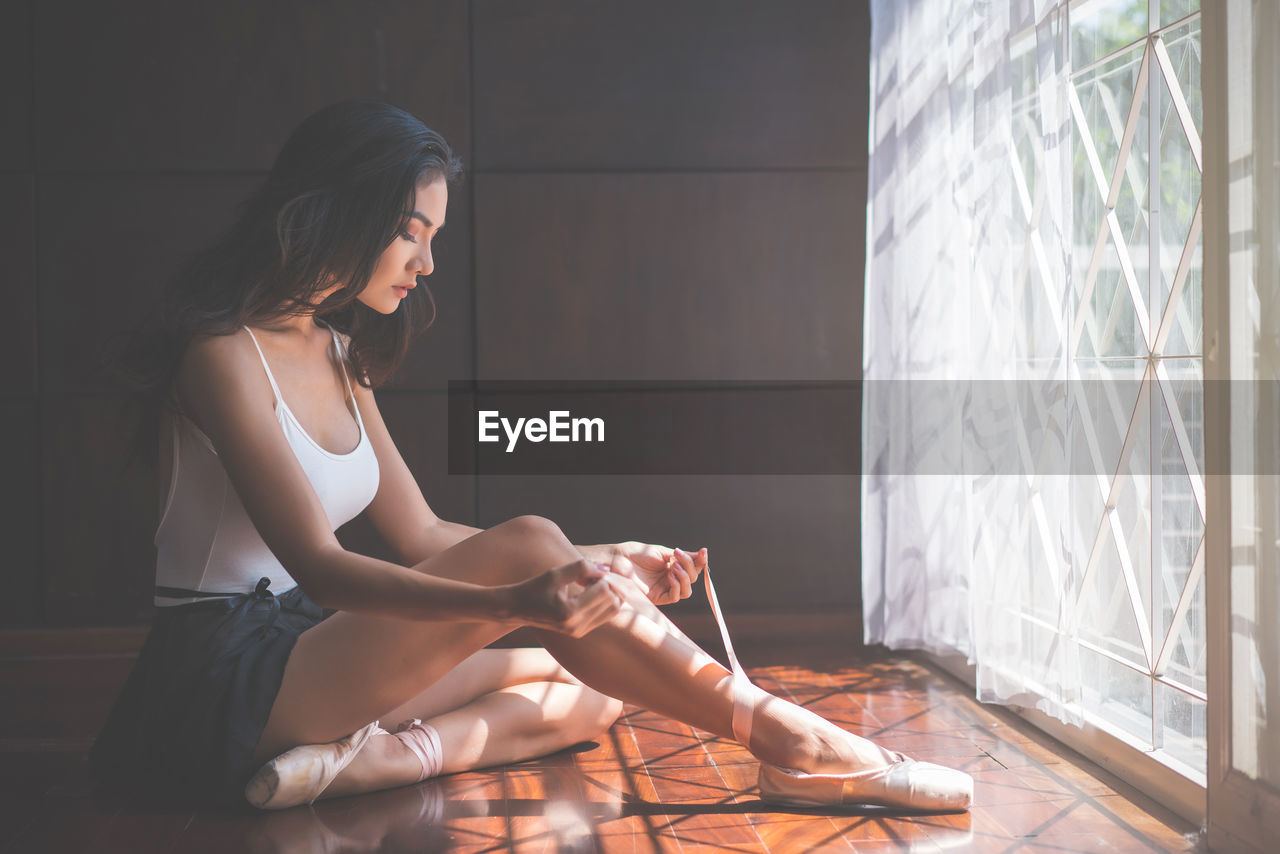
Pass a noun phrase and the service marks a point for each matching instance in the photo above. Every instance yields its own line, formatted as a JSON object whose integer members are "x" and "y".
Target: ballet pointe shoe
{"x": 902, "y": 783}
{"x": 300, "y": 775}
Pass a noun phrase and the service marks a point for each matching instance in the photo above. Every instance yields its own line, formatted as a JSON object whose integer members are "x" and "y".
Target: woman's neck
{"x": 303, "y": 331}
{"x": 304, "y": 327}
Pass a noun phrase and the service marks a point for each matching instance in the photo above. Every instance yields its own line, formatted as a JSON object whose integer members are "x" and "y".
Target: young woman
{"x": 277, "y": 656}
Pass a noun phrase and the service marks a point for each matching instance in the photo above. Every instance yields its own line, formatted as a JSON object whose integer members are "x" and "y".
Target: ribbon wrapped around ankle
{"x": 424, "y": 741}
{"x": 744, "y": 692}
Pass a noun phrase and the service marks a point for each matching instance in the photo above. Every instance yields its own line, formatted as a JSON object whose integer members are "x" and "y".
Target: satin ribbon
{"x": 743, "y": 696}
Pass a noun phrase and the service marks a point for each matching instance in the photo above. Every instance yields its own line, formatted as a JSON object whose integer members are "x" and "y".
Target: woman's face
{"x": 409, "y": 254}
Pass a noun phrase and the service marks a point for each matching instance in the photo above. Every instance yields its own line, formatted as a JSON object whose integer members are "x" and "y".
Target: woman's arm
{"x": 223, "y": 388}
{"x": 441, "y": 535}
{"x": 347, "y": 581}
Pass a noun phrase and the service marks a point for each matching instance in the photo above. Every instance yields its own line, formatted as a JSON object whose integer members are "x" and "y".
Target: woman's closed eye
{"x": 409, "y": 236}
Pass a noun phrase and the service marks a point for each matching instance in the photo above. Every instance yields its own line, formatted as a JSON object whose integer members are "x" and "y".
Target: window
{"x": 1136, "y": 360}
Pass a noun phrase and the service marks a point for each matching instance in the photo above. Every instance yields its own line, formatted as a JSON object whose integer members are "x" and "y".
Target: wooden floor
{"x": 651, "y": 785}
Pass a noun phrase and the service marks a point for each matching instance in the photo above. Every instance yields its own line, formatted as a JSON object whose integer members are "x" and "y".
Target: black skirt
{"x": 186, "y": 722}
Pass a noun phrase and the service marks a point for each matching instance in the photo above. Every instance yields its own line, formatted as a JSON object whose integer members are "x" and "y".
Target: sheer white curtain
{"x": 967, "y": 543}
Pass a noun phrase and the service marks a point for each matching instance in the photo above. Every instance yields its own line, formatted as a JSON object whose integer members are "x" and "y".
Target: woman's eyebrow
{"x": 421, "y": 217}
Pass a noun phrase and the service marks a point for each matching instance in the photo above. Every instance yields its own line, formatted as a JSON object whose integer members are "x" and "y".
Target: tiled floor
{"x": 651, "y": 785}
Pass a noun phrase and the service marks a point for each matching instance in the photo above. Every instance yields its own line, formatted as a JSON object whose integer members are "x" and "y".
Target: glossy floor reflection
{"x": 651, "y": 785}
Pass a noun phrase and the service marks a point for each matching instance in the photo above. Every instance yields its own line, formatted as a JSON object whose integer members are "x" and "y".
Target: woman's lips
{"x": 402, "y": 290}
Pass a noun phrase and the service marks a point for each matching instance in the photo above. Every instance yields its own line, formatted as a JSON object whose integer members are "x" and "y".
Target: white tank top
{"x": 206, "y": 541}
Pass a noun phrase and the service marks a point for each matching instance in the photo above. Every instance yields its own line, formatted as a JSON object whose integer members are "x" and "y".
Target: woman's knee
{"x": 530, "y": 527}
{"x": 535, "y": 544}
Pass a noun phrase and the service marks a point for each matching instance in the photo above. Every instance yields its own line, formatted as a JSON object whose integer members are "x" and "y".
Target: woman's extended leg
{"x": 351, "y": 668}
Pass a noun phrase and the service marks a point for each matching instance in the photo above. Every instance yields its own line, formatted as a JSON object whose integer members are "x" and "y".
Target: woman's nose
{"x": 425, "y": 262}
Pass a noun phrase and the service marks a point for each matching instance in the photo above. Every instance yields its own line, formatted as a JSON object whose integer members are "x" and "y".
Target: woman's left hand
{"x": 665, "y": 575}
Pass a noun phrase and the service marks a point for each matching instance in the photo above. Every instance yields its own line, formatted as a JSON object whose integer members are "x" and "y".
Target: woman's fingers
{"x": 669, "y": 591}
{"x": 593, "y": 607}
{"x": 563, "y": 597}
{"x": 583, "y": 571}
{"x": 690, "y": 572}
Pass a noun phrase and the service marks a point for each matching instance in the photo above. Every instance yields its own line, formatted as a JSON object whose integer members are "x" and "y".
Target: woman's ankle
{"x": 384, "y": 762}
{"x": 842, "y": 752}
{"x": 799, "y": 739}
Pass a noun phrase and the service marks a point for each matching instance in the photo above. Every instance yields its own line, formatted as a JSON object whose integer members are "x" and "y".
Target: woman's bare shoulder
{"x": 212, "y": 360}
{"x": 219, "y": 352}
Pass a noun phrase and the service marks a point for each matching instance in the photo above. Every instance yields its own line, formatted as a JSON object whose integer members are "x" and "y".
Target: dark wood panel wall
{"x": 665, "y": 190}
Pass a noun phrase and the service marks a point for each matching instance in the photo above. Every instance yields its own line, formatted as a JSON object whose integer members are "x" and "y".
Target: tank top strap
{"x": 275, "y": 388}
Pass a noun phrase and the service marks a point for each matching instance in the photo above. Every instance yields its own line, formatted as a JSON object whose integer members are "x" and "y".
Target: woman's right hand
{"x": 572, "y": 599}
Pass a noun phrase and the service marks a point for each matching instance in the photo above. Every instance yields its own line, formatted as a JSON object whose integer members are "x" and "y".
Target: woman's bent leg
{"x": 480, "y": 725}
{"x": 508, "y": 725}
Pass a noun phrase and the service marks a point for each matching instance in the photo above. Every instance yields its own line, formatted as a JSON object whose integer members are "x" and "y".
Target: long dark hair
{"x": 340, "y": 190}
